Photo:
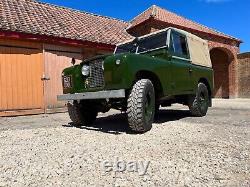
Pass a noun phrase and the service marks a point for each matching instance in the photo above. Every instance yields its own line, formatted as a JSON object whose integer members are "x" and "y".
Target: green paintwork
{"x": 177, "y": 76}
{"x": 173, "y": 73}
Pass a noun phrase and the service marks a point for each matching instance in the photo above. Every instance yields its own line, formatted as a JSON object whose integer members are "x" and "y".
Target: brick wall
{"x": 231, "y": 51}
{"x": 221, "y": 75}
{"x": 244, "y": 75}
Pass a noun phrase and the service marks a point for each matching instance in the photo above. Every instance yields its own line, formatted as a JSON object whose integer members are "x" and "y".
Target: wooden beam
{"x": 55, "y": 40}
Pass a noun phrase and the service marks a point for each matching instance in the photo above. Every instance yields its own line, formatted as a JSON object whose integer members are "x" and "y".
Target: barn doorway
{"x": 21, "y": 89}
{"x": 57, "y": 58}
{"x": 220, "y": 61}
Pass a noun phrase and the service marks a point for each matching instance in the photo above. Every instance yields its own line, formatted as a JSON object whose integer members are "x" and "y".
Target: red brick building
{"x": 223, "y": 48}
{"x": 37, "y": 41}
{"x": 244, "y": 75}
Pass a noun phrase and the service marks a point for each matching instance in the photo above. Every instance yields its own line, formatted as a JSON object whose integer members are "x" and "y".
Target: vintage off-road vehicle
{"x": 165, "y": 67}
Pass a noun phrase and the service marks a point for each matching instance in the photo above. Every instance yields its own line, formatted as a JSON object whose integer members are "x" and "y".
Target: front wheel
{"x": 198, "y": 104}
{"x": 82, "y": 114}
{"x": 141, "y": 106}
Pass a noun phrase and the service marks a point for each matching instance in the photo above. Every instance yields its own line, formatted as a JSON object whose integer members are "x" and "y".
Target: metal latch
{"x": 44, "y": 78}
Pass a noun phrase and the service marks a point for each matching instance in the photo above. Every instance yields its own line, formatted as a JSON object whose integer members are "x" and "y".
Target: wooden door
{"x": 56, "y": 59}
{"x": 21, "y": 87}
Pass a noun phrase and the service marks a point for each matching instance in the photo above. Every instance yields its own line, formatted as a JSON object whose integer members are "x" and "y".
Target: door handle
{"x": 190, "y": 70}
{"x": 45, "y": 78}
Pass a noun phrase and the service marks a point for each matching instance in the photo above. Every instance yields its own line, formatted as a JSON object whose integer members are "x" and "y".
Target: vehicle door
{"x": 181, "y": 71}
{"x": 155, "y": 47}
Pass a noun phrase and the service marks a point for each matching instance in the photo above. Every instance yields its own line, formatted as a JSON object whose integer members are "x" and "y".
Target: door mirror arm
{"x": 73, "y": 61}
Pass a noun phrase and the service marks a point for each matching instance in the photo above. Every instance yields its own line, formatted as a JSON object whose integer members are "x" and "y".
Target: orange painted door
{"x": 56, "y": 59}
{"x": 21, "y": 87}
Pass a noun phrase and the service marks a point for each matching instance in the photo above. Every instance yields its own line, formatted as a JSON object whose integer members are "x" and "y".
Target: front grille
{"x": 96, "y": 78}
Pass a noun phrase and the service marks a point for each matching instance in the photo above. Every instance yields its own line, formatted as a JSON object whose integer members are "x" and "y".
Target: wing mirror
{"x": 73, "y": 61}
{"x": 135, "y": 42}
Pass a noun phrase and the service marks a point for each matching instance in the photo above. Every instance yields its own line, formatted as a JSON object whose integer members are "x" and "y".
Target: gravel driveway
{"x": 180, "y": 150}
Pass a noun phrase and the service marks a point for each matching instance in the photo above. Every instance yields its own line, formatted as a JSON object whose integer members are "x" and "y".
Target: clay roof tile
{"x": 34, "y": 17}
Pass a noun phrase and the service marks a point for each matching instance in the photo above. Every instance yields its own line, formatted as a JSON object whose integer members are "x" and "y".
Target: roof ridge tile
{"x": 141, "y": 13}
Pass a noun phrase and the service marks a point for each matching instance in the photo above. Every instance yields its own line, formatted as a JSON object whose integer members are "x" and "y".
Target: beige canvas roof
{"x": 198, "y": 48}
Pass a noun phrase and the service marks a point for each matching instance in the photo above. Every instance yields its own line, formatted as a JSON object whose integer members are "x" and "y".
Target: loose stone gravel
{"x": 45, "y": 150}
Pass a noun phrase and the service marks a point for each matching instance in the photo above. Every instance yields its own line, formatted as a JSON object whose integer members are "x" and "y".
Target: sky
{"x": 228, "y": 16}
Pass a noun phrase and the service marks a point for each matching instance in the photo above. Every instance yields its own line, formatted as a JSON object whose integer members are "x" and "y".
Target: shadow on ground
{"x": 117, "y": 123}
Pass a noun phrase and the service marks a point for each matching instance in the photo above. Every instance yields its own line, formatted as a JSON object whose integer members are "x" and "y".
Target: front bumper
{"x": 92, "y": 95}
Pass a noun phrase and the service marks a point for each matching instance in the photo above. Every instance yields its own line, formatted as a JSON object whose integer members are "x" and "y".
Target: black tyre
{"x": 141, "y": 106}
{"x": 198, "y": 105}
{"x": 82, "y": 114}
{"x": 157, "y": 111}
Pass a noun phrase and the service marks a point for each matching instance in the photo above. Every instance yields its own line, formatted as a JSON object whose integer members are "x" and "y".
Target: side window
{"x": 179, "y": 45}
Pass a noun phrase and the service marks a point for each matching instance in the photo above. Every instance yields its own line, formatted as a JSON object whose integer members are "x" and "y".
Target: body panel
{"x": 181, "y": 76}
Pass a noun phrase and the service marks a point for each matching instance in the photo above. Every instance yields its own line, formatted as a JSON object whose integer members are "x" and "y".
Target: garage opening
{"x": 56, "y": 59}
{"x": 21, "y": 88}
{"x": 220, "y": 61}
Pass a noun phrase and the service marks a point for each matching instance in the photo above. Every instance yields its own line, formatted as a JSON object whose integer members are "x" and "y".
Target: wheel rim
{"x": 149, "y": 107}
{"x": 203, "y": 101}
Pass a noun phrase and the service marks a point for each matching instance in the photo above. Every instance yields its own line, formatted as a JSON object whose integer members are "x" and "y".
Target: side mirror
{"x": 135, "y": 42}
{"x": 73, "y": 61}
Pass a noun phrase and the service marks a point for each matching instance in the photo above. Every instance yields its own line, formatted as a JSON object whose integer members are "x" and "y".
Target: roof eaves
{"x": 243, "y": 55}
{"x": 44, "y": 38}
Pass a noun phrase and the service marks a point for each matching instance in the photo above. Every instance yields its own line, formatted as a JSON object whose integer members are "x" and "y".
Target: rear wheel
{"x": 82, "y": 114}
{"x": 141, "y": 106}
{"x": 199, "y": 103}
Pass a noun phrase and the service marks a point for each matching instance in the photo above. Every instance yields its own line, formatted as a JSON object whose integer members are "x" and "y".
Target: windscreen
{"x": 126, "y": 48}
{"x": 144, "y": 44}
{"x": 152, "y": 42}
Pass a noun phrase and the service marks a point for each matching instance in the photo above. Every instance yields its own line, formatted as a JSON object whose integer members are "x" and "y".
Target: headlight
{"x": 103, "y": 66}
{"x": 118, "y": 62}
{"x": 85, "y": 70}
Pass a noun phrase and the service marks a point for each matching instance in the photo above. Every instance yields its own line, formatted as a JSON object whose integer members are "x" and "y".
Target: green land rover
{"x": 158, "y": 69}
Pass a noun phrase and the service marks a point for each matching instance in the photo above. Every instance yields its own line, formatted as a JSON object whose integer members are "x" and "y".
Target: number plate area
{"x": 67, "y": 82}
